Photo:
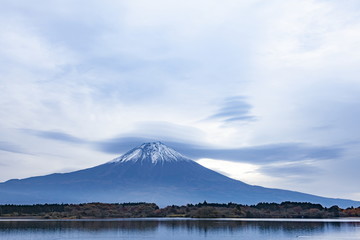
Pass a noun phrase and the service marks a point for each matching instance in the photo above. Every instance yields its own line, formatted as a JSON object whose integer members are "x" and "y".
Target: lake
{"x": 189, "y": 229}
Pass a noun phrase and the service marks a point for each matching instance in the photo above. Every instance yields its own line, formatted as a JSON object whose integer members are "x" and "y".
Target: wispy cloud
{"x": 299, "y": 170}
{"x": 268, "y": 153}
{"x": 11, "y": 147}
{"x": 234, "y": 109}
{"x": 55, "y": 135}
{"x": 123, "y": 144}
{"x": 283, "y": 152}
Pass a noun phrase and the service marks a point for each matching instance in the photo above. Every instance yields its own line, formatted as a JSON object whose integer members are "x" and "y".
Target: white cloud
{"x": 245, "y": 172}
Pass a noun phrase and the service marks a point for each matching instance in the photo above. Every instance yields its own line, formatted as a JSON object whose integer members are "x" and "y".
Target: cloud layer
{"x": 267, "y": 83}
{"x": 285, "y": 152}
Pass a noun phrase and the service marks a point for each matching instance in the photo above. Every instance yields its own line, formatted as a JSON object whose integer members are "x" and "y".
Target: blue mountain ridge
{"x": 151, "y": 172}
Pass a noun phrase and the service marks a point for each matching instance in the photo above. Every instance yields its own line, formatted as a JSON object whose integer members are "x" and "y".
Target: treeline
{"x": 86, "y": 210}
{"x": 200, "y": 210}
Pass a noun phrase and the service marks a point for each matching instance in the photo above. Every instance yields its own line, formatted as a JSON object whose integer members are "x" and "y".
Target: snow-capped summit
{"x": 154, "y": 152}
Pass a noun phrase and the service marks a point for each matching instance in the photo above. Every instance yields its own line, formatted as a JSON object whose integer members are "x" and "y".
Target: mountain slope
{"x": 151, "y": 172}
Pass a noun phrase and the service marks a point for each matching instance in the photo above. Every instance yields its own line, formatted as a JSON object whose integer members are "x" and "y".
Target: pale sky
{"x": 267, "y": 92}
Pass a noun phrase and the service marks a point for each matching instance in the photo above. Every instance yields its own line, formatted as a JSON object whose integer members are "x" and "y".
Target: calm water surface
{"x": 188, "y": 229}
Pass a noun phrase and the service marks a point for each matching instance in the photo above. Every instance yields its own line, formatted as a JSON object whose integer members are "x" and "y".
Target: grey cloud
{"x": 299, "y": 170}
{"x": 117, "y": 145}
{"x": 10, "y": 147}
{"x": 296, "y": 172}
{"x": 268, "y": 153}
{"x": 234, "y": 109}
{"x": 149, "y": 131}
{"x": 120, "y": 145}
{"x": 242, "y": 118}
{"x": 123, "y": 144}
{"x": 290, "y": 152}
{"x": 182, "y": 138}
{"x": 167, "y": 132}
{"x": 55, "y": 135}
{"x": 258, "y": 154}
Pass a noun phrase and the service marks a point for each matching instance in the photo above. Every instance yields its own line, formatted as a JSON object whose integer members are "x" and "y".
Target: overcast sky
{"x": 267, "y": 92}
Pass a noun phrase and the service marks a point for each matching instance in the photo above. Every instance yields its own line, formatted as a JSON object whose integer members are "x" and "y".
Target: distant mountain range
{"x": 151, "y": 172}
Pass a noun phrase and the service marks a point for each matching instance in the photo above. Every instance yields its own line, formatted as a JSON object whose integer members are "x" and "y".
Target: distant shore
{"x": 150, "y": 210}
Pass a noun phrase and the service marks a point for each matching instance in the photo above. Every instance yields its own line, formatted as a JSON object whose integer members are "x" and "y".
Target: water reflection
{"x": 171, "y": 229}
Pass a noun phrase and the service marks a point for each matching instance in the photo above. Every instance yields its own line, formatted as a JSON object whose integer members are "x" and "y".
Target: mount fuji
{"x": 151, "y": 172}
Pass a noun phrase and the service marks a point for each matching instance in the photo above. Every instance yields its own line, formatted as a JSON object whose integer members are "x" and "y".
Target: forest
{"x": 200, "y": 210}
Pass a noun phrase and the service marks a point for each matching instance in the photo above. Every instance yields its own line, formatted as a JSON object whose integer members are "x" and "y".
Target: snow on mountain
{"x": 154, "y": 152}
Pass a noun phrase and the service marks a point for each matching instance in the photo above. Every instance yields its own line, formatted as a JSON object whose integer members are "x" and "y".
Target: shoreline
{"x": 165, "y": 219}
